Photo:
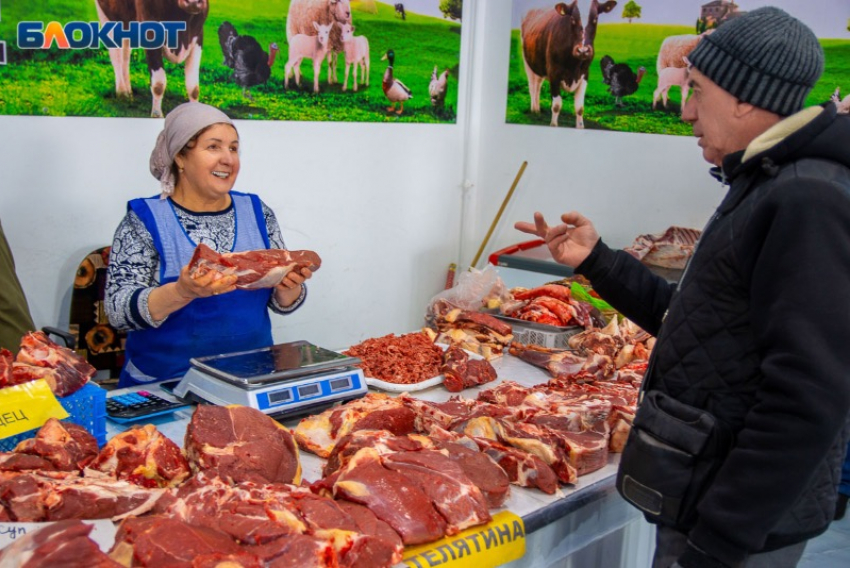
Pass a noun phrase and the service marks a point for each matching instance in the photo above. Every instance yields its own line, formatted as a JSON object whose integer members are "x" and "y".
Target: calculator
{"x": 142, "y": 404}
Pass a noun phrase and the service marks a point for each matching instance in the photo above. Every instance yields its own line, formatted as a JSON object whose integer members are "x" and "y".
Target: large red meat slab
{"x": 254, "y": 269}
{"x": 240, "y": 443}
{"x": 451, "y": 492}
{"x": 391, "y": 496}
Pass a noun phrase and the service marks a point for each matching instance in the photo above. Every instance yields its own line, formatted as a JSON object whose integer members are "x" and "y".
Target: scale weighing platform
{"x": 282, "y": 380}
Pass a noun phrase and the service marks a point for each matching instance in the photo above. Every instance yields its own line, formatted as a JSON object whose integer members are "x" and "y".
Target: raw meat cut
{"x": 462, "y": 373}
{"x": 383, "y": 547}
{"x": 67, "y": 446}
{"x": 587, "y": 451}
{"x": 246, "y": 512}
{"x": 64, "y": 370}
{"x": 474, "y": 331}
{"x": 522, "y": 468}
{"x": 555, "y": 291}
{"x": 35, "y": 497}
{"x": 551, "y": 304}
{"x": 144, "y": 457}
{"x": 274, "y": 522}
{"x": 265, "y": 517}
{"x": 670, "y": 249}
{"x": 254, "y": 269}
{"x": 391, "y": 496}
{"x": 162, "y": 541}
{"x": 11, "y": 463}
{"x": 383, "y": 441}
{"x": 480, "y": 468}
{"x": 596, "y": 341}
{"x": 483, "y": 472}
{"x": 358, "y": 536}
{"x": 565, "y": 362}
{"x": 537, "y": 443}
{"x": 445, "y": 414}
{"x": 319, "y": 433}
{"x": 451, "y": 492}
{"x": 296, "y": 551}
{"x": 240, "y": 443}
{"x": 66, "y": 544}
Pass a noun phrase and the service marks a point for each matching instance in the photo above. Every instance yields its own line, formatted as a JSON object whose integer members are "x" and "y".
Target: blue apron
{"x": 236, "y": 321}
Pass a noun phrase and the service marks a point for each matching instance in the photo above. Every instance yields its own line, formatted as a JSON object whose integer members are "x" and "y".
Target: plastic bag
{"x": 475, "y": 290}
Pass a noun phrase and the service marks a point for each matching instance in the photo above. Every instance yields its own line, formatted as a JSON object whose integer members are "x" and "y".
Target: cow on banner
{"x": 556, "y": 46}
{"x": 188, "y": 52}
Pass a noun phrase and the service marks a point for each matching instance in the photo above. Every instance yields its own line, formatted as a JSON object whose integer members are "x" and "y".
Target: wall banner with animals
{"x": 316, "y": 60}
{"x": 621, "y": 65}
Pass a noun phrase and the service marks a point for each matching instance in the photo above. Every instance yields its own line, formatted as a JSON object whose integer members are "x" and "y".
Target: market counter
{"x": 585, "y": 525}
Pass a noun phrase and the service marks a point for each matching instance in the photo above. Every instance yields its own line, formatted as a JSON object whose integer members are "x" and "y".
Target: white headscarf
{"x": 181, "y": 125}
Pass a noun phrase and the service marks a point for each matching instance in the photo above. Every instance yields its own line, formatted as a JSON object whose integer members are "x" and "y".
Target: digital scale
{"x": 282, "y": 380}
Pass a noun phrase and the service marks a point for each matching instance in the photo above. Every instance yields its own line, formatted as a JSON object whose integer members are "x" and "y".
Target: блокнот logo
{"x": 93, "y": 35}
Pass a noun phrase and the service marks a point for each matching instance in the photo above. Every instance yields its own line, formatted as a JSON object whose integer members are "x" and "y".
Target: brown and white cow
{"x": 193, "y": 12}
{"x": 556, "y": 46}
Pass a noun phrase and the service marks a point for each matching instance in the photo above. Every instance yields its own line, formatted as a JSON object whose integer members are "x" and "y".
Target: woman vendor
{"x": 171, "y": 316}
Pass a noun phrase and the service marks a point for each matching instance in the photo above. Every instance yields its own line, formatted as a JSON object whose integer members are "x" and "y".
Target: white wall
{"x": 384, "y": 205}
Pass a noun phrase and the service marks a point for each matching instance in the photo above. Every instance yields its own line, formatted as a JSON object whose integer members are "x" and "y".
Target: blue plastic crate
{"x": 87, "y": 407}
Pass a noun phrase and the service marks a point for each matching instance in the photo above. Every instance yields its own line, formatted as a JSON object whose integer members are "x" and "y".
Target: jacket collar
{"x": 768, "y": 151}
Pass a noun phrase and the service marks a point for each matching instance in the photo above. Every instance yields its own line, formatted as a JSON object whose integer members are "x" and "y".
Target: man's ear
{"x": 743, "y": 109}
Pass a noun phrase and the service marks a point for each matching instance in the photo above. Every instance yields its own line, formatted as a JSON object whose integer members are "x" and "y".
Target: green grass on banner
{"x": 81, "y": 82}
{"x": 637, "y": 45}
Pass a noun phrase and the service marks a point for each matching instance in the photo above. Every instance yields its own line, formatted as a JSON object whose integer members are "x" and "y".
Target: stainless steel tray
{"x": 532, "y": 324}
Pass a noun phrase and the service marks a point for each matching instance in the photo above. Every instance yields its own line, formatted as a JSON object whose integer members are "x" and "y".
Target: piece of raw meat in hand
{"x": 255, "y": 268}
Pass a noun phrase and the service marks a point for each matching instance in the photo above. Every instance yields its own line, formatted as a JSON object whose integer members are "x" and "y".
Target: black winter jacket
{"x": 758, "y": 333}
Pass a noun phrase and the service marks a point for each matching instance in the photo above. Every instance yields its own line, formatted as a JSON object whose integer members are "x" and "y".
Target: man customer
{"x": 755, "y": 334}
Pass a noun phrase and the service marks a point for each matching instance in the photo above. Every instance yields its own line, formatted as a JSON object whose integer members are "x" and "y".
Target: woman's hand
{"x": 570, "y": 243}
{"x": 209, "y": 283}
{"x": 168, "y": 298}
{"x": 290, "y": 287}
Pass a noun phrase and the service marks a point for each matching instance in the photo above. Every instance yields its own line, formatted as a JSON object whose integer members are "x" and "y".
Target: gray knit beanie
{"x": 765, "y": 57}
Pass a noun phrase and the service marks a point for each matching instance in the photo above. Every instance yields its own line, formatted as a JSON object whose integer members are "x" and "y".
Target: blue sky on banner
{"x": 828, "y": 18}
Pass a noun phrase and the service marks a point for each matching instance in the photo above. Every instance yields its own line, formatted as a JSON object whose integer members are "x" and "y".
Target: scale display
{"x": 325, "y": 387}
{"x": 271, "y": 364}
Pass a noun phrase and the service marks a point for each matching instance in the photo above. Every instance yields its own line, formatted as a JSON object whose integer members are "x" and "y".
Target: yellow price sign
{"x": 498, "y": 542}
{"x": 27, "y": 406}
